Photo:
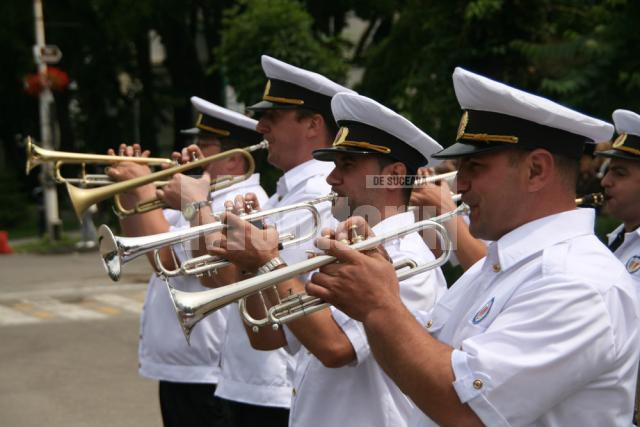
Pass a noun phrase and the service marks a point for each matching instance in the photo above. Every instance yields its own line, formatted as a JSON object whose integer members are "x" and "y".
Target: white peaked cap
{"x": 212, "y": 110}
{"x": 475, "y": 92}
{"x": 279, "y": 70}
{"x": 358, "y": 108}
{"x": 626, "y": 122}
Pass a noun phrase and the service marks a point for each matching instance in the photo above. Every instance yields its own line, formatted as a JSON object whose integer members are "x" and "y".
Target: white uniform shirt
{"x": 261, "y": 377}
{"x": 163, "y": 351}
{"x": 545, "y": 329}
{"x": 361, "y": 394}
{"x": 629, "y": 252}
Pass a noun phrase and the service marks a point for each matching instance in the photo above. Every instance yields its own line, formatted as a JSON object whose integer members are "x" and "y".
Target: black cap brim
{"x": 465, "y": 149}
{"x": 329, "y": 154}
{"x": 268, "y": 105}
{"x": 617, "y": 154}
{"x": 192, "y": 131}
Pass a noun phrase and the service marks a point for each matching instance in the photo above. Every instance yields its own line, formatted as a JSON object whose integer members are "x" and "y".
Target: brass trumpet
{"x": 117, "y": 251}
{"x": 37, "y": 155}
{"x": 191, "y": 307}
{"x": 593, "y": 199}
{"x": 83, "y": 198}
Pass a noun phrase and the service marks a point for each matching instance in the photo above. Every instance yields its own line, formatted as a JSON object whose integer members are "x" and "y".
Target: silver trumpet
{"x": 116, "y": 251}
{"x": 447, "y": 176}
{"x": 191, "y": 307}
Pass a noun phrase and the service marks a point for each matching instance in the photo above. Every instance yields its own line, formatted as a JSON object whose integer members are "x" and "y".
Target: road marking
{"x": 9, "y": 316}
{"x": 70, "y": 291}
{"x": 120, "y": 302}
{"x": 63, "y": 310}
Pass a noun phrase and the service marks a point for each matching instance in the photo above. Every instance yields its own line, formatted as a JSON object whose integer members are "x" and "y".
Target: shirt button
{"x": 294, "y": 392}
{"x": 429, "y": 323}
{"x": 477, "y": 384}
{"x": 496, "y": 268}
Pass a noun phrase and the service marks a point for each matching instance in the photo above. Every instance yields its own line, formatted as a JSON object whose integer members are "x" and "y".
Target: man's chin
{"x": 340, "y": 211}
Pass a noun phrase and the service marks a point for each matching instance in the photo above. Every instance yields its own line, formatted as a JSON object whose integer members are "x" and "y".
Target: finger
{"x": 111, "y": 152}
{"x": 339, "y": 250}
{"x": 329, "y": 233}
{"x": 136, "y": 150}
{"x": 319, "y": 287}
{"x": 160, "y": 194}
{"x": 122, "y": 150}
{"x": 252, "y": 199}
{"x": 185, "y": 156}
{"x": 145, "y": 153}
{"x": 239, "y": 205}
{"x": 422, "y": 171}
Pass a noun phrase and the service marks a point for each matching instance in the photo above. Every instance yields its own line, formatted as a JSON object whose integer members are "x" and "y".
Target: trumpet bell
{"x": 109, "y": 252}
{"x": 33, "y": 158}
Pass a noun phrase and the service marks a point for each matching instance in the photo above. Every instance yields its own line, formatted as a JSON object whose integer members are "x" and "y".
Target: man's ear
{"x": 540, "y": 168}
{"x": 395, "y": 168}
{"x": 315, "y": 125}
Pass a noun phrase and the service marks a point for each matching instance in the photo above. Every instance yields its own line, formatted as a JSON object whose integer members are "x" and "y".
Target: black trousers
{"x": 192, "y": 405}
{"x": 246, "y": 415}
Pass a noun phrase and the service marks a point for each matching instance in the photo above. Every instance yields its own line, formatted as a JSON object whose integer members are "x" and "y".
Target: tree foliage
{"x": 278, "y": 28}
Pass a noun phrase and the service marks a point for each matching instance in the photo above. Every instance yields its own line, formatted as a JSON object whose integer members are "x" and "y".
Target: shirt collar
{"x": 611, "y": 236}
{"x": 301, "y": 173}
{"x": 539, "y": 234}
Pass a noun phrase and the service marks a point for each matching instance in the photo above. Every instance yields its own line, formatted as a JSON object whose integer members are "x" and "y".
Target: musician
{"x": 544, "y": 330}
{"x": 295, "y": 117}
{"x": 621, "y": 188}
{"x": 336, "y": 381}
{"x": 188, "y": 375}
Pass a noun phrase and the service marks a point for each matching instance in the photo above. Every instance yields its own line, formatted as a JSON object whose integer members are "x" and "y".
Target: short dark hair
{"x": 568, "y": 167}
{"x": 305, "y": 113}
{"x": 384, "y": 161}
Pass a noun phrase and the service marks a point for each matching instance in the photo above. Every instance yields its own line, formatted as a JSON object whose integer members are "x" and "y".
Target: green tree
{"x": 279, "y": 28}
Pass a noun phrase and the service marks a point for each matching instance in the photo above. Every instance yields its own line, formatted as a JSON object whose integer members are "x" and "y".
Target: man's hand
{"x": 435, "y": 195}
{"x": 183, "y": 190}
{"x": 125, "y": 170}
{"x": 358, "y": 283}
{"x": 242, "y": 243}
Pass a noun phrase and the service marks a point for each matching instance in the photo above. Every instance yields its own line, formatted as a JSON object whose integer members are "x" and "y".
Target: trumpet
{"x": 83, "y": 198}
{"x": 592, "y": 199}
{"x": 116, "y": 251}
{"x": 447, "y": 176}
{"x": 191, "y": 307}
{"x": 37, "y": 155}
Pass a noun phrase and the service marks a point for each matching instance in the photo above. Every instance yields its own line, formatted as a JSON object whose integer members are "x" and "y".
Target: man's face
{"x": 210, "y": 145}
{"x": 285, "y": 134}
{"x": 622, "y": 191}
{"x": 493, "y": 186}
{"x": 348, "y": 180}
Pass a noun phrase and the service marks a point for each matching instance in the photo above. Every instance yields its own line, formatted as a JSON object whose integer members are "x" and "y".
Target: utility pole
{"x": 50, "y": 193}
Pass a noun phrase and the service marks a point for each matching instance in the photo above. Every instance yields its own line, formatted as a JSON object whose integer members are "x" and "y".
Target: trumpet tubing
{"x": 448, "y": 176}
{"x": 191, "y": 307}
{"x": 117, "y": 251}
{"x": 83, "y": 198}
{"x": 37, "y": 155}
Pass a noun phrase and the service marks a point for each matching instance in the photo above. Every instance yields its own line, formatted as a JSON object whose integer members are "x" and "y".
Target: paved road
{"x": 68, "y": 343}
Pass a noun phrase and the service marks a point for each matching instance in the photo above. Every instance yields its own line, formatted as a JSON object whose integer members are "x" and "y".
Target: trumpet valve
{"x": 249, "y": 207}
{"x": 355, "y": 237}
